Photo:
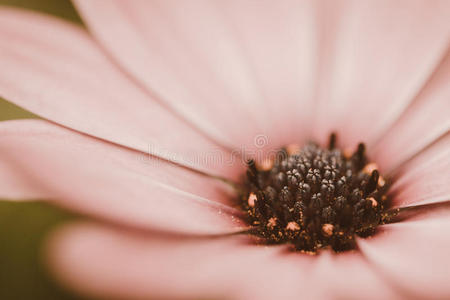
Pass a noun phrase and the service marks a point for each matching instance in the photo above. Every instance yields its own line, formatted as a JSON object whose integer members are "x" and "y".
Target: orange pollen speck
{"x": 293, "y": 226}
{"x": 293, "y": 148}
{"x": 272, "y": 222}
{"x": 266, "y": 164}
{"x": 374, "y": 202}
{"x": 370, "y": 167}
{"x": 348, "y": 152}
{"x": 327, "y": 229}
{"x": 251, "y": 200}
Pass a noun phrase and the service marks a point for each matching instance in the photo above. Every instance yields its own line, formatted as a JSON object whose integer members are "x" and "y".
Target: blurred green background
{"x": 24, "y": 226}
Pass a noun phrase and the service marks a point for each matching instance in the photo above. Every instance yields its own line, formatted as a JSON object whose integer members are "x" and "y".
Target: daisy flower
{"x": 236, "y": 149}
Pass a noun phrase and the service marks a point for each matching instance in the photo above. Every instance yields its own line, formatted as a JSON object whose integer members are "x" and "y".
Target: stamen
{"x": 313, "y": 198}
{"x": 332, "y": 142}
{"x": 395, "y": 215}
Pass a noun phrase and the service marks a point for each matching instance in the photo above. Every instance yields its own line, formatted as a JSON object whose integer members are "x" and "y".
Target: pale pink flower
{"x": 143, "y": 113}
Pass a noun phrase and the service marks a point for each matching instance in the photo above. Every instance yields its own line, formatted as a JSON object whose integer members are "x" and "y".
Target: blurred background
{"x": 24, "y": 226}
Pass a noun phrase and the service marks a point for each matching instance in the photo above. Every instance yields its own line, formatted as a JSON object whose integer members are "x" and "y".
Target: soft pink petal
{"x": 350, "y": 276}
{"x": 141, "y": 266}
{"x": 426, "y": 178}
{"x": 413, "y": 256}
{"x": 56, "y": 70}
{"x": 104, "y": 180}
{"x": 14, "y": 183}
{"x": 424, "y": 121}
{"x": 280, "y": 40}
{"x": 234, "y": 68}
{"x": 377, "y": 55}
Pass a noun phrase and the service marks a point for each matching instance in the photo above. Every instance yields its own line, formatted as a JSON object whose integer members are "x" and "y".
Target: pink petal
{"x": 142, "y": 266}
{"x": 234, "y": 68}
{"x": 350, "y": 276}
{"x": 14, "y": 183}
{"x": 146, "y": 266}
{"x": 413, "y": 256}
{"x": 426, "y": 178}
{"x": 280, "y": 39}
{"x": 56, "y": 70}
{"x": 111, "y": 182}
{"x": 377, "y": 55}
{"x": 424, "y": 121}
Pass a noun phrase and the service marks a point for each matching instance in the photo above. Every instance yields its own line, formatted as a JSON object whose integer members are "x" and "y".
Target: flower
{"x": 143, "y": 116}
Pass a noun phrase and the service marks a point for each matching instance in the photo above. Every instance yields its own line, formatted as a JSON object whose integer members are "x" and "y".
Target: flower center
{"x": 313, "y": 197}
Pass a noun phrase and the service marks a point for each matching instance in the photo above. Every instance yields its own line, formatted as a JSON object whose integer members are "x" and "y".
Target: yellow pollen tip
{"x": 251, "y": 200}
{"x": 266, "y": 164}
{"x": 374, "y": 202}
{"x": 327, "y": 229}
{"x": 370, "y": 167}
{"x": 272, "y": 222}
{"x": 293, "y": 148}
{"x": 293, "y": 226}
{"x": 348, "y": 152}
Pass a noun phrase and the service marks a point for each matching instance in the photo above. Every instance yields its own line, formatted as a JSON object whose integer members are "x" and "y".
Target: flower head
{"x": 315, "y": 198}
